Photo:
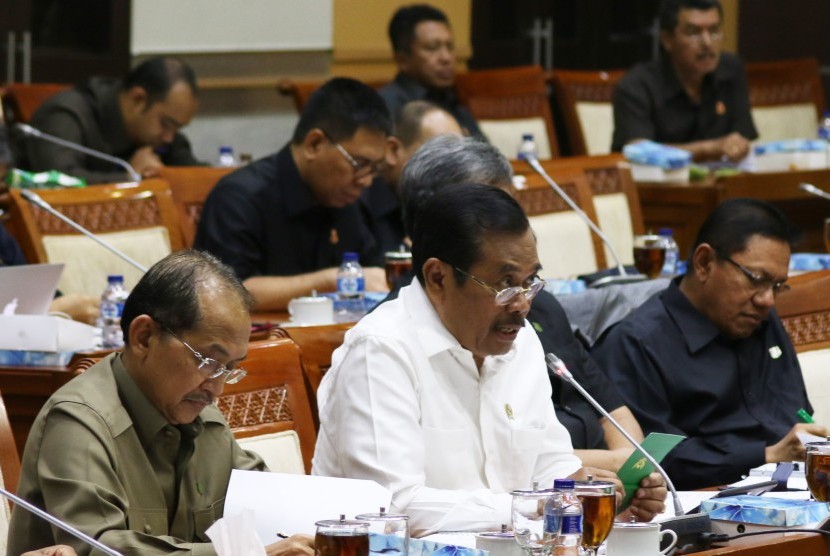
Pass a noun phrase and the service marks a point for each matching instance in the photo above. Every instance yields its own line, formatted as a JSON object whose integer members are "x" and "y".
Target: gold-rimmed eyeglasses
{"x": 362, "y": 168}
{"x": 507, "y": 295}
{"x": 758, "y": 282}
{"x": 210, "y": 367}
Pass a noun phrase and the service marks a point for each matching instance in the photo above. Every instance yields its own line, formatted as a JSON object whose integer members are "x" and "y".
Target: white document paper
{"x": 288, "y": 503}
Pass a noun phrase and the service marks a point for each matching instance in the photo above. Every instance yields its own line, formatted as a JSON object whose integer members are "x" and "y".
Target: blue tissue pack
{"x": 650, "y": 153}
{"x": 763, "y": 510}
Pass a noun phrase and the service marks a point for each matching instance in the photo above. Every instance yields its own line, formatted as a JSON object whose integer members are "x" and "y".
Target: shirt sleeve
{"x": 697, "y": 461}
{"x": 633, "y": 113}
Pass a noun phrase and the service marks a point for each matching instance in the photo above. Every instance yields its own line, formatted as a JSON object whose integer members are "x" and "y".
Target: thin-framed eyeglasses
{"x": 210, "y": 367}
{"x": 696, "y": 34}
{"x": 361, "y": 168}
{"x": 507, "y": 295}
{"x": 759, "y": 283}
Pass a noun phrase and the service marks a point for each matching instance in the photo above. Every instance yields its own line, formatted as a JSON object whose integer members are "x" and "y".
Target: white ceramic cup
{"x": 311, "y": 310}
{"x": 499, "y": 544}
{"x": 638, "y": 539}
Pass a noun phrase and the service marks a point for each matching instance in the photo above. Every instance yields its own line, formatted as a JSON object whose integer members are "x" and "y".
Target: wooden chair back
{"x": 565, "y": 244}
{"x": 9, "y": 457}
{"x": 299, "y": 91}
{"x": 584, "y": 100}
{"x": 787, "y": 98}
{"x": 190, "y": 186}
{"x": 21, "y": 100}
{"x": 138, "y": 218}
{"x": 273, "y": 397}
{"x": 508, "y": 102}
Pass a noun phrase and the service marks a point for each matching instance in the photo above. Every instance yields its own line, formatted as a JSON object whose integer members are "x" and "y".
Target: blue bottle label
{"x": 553, "y": 523}
{"x": 571, "y": 525}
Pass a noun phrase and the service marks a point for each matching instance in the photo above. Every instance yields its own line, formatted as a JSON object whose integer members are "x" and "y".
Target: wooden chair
{"x": 805, "y": 312}
{"x": 9, "y": 458}
{"x": 190, "y": 186}
{"x": 21, "y": 100}
{"x": 299, "y": 91}
{"x": 584, "y": 99}
{"x": 138, "y": 218}
{"x": 273, "y": 397}
{"x": 787, "y": 98}
{"x": 565, "y": 244}
{"x": 508, "y": 102}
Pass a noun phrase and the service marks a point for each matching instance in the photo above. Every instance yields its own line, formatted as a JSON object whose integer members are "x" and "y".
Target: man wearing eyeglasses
{"x": 134, "y": 452}
{"x": 693, "y": 96}
{"x": 284, "y": 221}
{"x": 709, "y": 358}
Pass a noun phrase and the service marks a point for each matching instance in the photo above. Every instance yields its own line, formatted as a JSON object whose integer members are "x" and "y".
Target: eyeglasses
{"x": 759, "y": 283}
{"x": 696, "y": 34}
{"x": 507, "y": 295}
{"x": 362, "y": 168}
{"x": 211, "y": 367}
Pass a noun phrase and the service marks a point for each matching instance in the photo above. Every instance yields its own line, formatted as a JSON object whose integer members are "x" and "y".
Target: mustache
{"x": 515, "y": 321}
{"x": 200, "y": 397}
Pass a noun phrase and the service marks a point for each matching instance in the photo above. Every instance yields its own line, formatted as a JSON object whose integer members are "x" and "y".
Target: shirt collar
{"x": 672, "y": 86}
{"x": 147, "y": 420}
{"x": 416, "y": 90}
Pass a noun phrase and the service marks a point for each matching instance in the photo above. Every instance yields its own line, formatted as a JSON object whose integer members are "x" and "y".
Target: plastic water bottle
{"x": 672, "y": 252}
{"x": 824, "y": 126}
{"x": 351, "y": 289}
{"x": 527, "y": 148}
{"x": 569, "y": 509}
{"x": 112, "y": 305}
{"x": 553, "y": 518}
{"x": 226, "y": 157}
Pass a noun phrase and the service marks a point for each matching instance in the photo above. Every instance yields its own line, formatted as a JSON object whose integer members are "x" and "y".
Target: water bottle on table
{"x": 567, "y": 509}
{"x": 112, "y": 305}
{"x": 672, "y": 253}
{"x": 351, "y": 289}
{"x": 226, "y": 157}
{"x": 527, "y": 148}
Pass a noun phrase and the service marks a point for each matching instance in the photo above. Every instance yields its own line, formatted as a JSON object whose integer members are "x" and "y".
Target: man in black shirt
{"x": 708, "y": 358}
{"x": 694, "y": 96}
{"x": 283, "y": 222}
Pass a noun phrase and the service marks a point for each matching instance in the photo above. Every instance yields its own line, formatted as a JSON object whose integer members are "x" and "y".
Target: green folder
{"x": 637, "y": 467}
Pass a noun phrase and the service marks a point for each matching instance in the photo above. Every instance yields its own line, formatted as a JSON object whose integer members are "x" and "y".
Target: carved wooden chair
{"x": 138, "y": 218}
{"x": 299, "y": 91}
{"x": 21, "y": 100}
{"x": 565, "y": 244}
{"x": 508, "y": 102}
{"x": 805, "y": 312}
{"x": 584, "y": 100}
{"x": 190, "y": 186}
{"x": 787, "y": 98}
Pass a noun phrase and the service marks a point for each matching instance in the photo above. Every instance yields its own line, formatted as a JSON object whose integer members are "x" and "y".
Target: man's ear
{"x": 436, "y": 275}
{"x": 142, "y": 328}
{"x": 137, "y": 99}
{"x": 402, "y": 61}
{"x": 393, "y": 151}
{"x": 703, "y": 261}
{"x": 666, "y": 40}
{"x": 313, "y": 143}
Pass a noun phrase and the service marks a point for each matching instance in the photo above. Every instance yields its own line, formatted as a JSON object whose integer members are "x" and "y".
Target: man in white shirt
{"x": 442, "y": 395}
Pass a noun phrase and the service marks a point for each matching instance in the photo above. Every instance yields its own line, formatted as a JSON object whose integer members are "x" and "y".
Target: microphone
{"x": 812, "y": 189}
{"x": 36, "y": 200}
{"x": 32, "y": 132}
{"x": 59, "y": 523}
{"x": 557, "y": 366}
{"x": 623, "y": 277}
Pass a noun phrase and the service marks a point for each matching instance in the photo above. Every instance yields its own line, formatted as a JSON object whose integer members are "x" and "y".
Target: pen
{"x": 282, "y": 535}
{"x": 804, "y": 416}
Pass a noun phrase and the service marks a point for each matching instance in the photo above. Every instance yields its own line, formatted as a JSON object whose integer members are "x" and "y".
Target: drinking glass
{"x": 340, "y": 537}
{"x": 818, "y": 470}
{"x": 649, "y": 254}
{"x": 398, "y": 264}
{"x": 827, "y": 234}
{"x": 599, "y": 505}
{"x": 527, "y": 516}
{"x": 395, "y": 531}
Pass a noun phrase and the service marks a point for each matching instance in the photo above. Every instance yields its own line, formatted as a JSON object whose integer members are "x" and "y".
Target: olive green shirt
{"x": 101, "y": 457}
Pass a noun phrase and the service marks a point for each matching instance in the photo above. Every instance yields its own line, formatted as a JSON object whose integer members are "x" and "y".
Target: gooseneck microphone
{"x": 36, "y": 133}
{"x": 813, "y": 190}
{"x": 624, "y": 277}
{"x": 36, "y": 200}
{"x": 557, "y": 367}
{"x": 59, "y": 523}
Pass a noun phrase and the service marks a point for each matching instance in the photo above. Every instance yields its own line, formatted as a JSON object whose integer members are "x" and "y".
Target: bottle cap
{"x": 225, "y": 149}
{"x": 115, "y": 278}
{"x": 563, "y": 484}
{"x": 348, "y": 256}
{"x": 527, "y": 137}
{"x": 665, "y": 232}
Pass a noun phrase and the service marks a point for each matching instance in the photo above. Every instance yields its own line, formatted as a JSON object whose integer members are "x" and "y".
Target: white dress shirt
{"x": 404, "y": 405}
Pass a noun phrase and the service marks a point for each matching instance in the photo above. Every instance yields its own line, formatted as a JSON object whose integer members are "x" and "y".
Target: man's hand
{"x": 648, "y": 500}
{"x": 790, "y": 447}
{"x": 295, "y": 544}
{"x": 375, "y": 279}
{"x": 146, "y": 162}
{"x": 82, "y": 308}
{"x": 57, "y": 550}
{"x": 733, "y": 146}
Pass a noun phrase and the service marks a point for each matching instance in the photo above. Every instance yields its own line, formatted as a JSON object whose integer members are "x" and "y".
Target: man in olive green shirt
{"x": 134, "y": 452}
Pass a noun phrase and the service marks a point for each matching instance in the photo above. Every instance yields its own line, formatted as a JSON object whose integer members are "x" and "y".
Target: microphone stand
{"x": 812, "y": 189}
{"x": 623, "y": 277}
{"x": 557, "y": 366}
{"x": 59, "y": 524}
{"x": 32, "y": 132}
{"x": 36, "y": 200}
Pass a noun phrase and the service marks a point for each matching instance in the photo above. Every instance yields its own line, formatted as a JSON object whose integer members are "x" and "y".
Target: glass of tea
{"x": 398, "y": 265}
{"x": 341, "y": 537}
{"x": 818, "y": 470}
{"x": 393, "y": 531}
{"x": 599, "y": 506}
{"x": 649, "y": 254}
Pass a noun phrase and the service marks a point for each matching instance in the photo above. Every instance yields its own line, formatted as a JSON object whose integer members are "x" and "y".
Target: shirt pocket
{"x": 525, "y": 445}
{"x": 527, "y": 439}
{"x": 204, "y": 518}
{"x": 447, "y": 461}
{"x": 148, "y": 521}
